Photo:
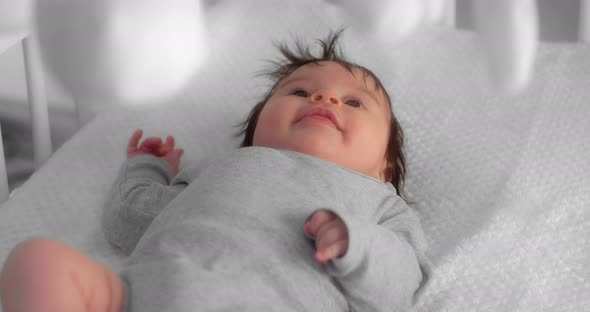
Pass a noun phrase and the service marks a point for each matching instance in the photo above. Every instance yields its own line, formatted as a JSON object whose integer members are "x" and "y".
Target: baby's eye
{"x": 300, "y": 93}
{"x": 354, "y": 103}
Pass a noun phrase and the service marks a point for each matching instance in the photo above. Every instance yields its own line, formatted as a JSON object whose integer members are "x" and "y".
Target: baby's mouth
{"x": 321, "y": 115}
{"x": 319, "y": 119}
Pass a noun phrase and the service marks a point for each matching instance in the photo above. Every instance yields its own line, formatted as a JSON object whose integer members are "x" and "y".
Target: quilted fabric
{"x": 501, "y": 182}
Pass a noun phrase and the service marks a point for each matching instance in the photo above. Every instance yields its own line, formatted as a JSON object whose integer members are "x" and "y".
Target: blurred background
{"x": 558, "y": 22}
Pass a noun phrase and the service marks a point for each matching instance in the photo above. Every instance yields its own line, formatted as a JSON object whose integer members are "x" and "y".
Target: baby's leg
{"x": 47, "y": 275}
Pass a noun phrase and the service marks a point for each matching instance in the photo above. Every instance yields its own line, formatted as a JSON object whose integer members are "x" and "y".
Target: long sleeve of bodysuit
{"x": 144, "y": 186}
{"x": 385, "y": 264}
{"x": 235, "y": 240}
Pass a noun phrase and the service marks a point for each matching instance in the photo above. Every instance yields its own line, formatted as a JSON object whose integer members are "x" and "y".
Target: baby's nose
{"x": 325, "y": 96}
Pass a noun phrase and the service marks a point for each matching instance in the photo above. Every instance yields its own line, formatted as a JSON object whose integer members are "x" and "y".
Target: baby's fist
{"x": 330, "y": 234}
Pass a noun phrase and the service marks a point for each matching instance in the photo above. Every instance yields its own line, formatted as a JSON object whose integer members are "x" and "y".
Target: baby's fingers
{"x": 337, "y": 249}
{"x": 318, "y": 219}
{"x": 168, "y": 146}
{"x": 134, "y": 141}
{"x": 151, "y": 144}
{"x": 169, "y": 143}
{"x": 331, "y": 233}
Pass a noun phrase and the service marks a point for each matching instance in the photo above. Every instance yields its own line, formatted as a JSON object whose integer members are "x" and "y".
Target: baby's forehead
{"x": 312, "y": 70}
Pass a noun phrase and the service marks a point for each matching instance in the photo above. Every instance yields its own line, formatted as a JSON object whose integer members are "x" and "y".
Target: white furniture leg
{"x": 4, "y": 191}
{"x": 42, "y": 147}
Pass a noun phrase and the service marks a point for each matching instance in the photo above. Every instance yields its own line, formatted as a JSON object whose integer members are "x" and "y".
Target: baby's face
{"x": 359, "y": 140}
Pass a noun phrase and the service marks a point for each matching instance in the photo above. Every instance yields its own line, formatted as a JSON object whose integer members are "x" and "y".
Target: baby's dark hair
{"x": 396, "y": 163}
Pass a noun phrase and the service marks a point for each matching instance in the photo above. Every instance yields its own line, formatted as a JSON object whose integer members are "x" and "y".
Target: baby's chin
{"x": 319, "y": 150}
{"x": 322, "y": 151}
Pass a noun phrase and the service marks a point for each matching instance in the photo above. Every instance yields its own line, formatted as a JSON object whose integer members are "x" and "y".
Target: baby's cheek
{"x": 267, "y": 127}
{"x": 372, "y": 138}
{"x": 278, "y": 117}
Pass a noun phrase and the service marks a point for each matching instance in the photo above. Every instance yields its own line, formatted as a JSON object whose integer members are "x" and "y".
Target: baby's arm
{"x": 142, "y": 189}
{"x": 384, "y": 264}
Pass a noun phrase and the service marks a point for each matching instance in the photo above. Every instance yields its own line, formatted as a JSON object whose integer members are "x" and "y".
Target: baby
{"x": 305, "y": 216}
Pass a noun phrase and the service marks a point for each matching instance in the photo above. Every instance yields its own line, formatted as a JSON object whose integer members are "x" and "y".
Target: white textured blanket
{"x": 501, "y": 183}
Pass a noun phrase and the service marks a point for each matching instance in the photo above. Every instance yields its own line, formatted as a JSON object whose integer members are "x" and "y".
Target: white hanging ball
{"x": 509, "y": 32}
{"x": 388, "y": 20}
{"x": 434, "y": 11}
{"x": 126, "y": 51}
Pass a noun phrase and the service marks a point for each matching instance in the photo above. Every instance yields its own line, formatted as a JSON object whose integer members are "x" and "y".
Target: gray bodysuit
{"x": 229, "y": 236}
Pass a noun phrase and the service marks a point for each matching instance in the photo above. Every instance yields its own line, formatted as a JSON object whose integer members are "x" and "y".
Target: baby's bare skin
{"x": 47, "y": 275}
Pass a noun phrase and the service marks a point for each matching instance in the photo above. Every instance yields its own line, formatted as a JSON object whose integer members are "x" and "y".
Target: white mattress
{"x": 501, "y": 182}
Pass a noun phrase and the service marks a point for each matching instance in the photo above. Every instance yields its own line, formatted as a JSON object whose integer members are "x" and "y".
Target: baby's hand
{"x": 153, "y": 146}
{"x": 330, "y": 234}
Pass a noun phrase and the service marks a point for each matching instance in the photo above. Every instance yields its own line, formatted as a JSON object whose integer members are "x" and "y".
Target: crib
{"x": 499, "y": 180}
{"x": 38, "y": 112}
{"x": 38, "y": 101}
